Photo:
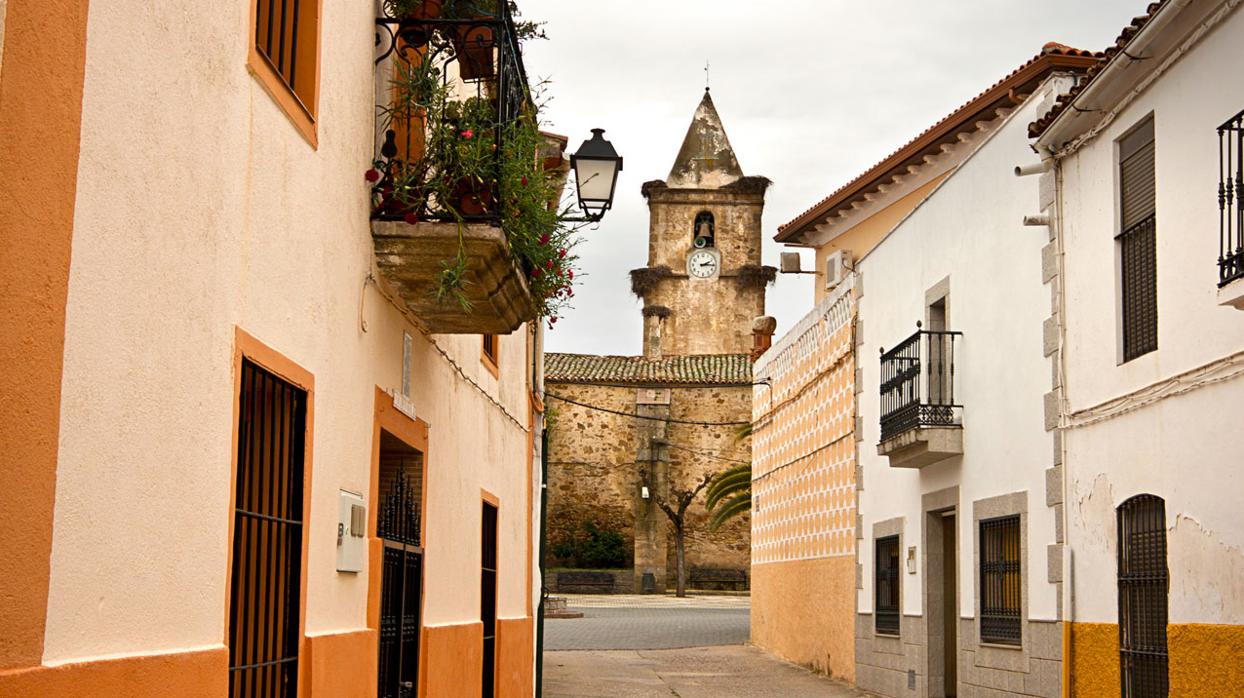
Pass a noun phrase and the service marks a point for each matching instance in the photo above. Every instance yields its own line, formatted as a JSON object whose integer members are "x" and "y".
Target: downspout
{"x": 544, "y": 502}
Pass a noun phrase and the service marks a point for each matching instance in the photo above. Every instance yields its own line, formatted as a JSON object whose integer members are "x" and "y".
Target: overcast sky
{"x": 811, "y": 92}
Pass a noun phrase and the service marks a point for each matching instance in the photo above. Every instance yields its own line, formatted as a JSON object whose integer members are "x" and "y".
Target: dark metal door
{"x": 1143, "y": 585}
{"x": 400, "y": 591}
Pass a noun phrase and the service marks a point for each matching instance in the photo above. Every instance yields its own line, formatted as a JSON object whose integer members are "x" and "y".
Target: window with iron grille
{"x": 488, "y": 596}
{"x": 1001, "y": 591}
{"x": 492, "y": 348}
{"x": 265, "y": 592}
{"x": 1231, "y": 200}
{"x": 885, "y": 614}
{"x": 1143, "y": 586}
{"x": 1137, "y": 242}
{"x": 286, "y": 53}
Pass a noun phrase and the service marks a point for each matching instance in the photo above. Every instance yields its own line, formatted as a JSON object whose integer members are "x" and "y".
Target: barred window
{"x": 284, "y": 57}
{"x": 1137, "y": 241}
{"x": 886, "y": 608}
{"x": 1143, "y": 585}
{"x": 1001, "y": 579}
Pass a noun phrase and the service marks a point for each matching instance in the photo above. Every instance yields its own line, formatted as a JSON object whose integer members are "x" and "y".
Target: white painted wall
{"x": 1184, "y": 449}
{"x": 200, "y": 207}
{"x": 970, "y": 230}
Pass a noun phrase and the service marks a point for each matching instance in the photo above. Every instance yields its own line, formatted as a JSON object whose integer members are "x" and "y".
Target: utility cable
{"x": 668, "y": 420}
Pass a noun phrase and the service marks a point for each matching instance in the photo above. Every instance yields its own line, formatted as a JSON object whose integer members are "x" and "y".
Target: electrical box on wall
{"x": 351, "y": 533}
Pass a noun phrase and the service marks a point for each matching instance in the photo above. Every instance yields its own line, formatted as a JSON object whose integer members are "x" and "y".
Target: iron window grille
{"x": 397, "y": 525}
{"x": 488, "y": 596}
{"x": 918, "y": 383}
{"x": 1138, "y": 243}
{"x": 285, "y": 35}
{"x": 478, "y": 45}
{"x": 265, "y": 597}
{"x": 1001, "y": 591}
{"x": 1143, "y": 587}
{"x": 886, "y": 613}
{"x": 1231, "y": 200}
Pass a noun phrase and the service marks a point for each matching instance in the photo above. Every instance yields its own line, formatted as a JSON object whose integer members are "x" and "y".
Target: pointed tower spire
{"x": 706, "y": 160}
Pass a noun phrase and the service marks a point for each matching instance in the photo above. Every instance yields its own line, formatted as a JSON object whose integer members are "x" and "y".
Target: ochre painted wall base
{"x": 804, "y": 611}
{"x": 342, "y": 665}
{"x": 1205, "y": 661}
{"x": 178, "y": 675}
{"x": 515, "y": 657}
{"x": 453, "y": 660}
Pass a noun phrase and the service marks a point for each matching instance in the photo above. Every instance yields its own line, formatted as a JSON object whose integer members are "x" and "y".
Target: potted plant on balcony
{"x": 413, "y": 14}
{"x": 474, "y": 42}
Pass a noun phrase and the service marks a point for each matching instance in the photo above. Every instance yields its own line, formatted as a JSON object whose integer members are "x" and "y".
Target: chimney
{"x": 762, "y": 335}
{"x": 654, "y": 316}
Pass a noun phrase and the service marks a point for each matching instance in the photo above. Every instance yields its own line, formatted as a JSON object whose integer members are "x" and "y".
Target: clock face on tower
{"x": 702, "y": 264}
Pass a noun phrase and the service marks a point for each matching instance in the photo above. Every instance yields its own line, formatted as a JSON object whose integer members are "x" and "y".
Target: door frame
{"x": 413, "y": 433}
{"x": 934, "y": 506}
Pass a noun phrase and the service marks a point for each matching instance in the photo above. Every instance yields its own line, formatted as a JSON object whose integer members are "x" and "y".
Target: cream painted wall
{"x": 1181, "y": 448}
{"x": 865, "y": 235}
{"x": 199, "y": 207}
{"x": 969, "y": 229}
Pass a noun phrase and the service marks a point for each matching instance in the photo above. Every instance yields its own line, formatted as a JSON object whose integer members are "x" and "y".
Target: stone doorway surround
{"x": 934, "y": 505}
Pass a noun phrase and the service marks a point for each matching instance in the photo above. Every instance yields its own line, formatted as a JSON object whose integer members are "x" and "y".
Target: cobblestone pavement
{"x": 704, "y": 672}
{"x": 649, "y": 622}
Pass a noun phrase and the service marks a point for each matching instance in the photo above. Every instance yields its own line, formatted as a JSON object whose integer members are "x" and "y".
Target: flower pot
{"x": 414, "y": 30}
{"x": 472, "y": 198}
{"x": 473, "y": 45}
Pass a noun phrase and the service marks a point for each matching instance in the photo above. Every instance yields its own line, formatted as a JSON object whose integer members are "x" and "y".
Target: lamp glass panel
{"x": 594, "y": 179}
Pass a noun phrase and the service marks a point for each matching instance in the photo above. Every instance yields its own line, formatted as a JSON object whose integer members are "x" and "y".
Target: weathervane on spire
{"x": 706, "y": 75}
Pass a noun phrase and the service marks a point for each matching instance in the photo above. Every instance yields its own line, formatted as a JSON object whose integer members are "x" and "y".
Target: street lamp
{"x": 596, "y": 165}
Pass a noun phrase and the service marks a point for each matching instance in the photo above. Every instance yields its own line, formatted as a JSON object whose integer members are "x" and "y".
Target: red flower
{"x": 411, "y": 218}
{"x": 570, "y": 273}
{"x": 524, "y": 181}
{"x": 562, "y": 253}
{"x": 372, "y": 175}
{"x": 544, "y": 239}
{"x": 536, "y": 272}
{"x": 468, "y": 133}
{"x": 549, "y": 265}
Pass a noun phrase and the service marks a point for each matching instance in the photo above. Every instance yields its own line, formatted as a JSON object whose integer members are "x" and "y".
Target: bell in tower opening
{"x": 703, "y": 230}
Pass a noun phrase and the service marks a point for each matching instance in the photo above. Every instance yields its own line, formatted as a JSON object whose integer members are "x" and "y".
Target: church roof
{"x": 705, "y": 160}
{"x": 696, "y": 369}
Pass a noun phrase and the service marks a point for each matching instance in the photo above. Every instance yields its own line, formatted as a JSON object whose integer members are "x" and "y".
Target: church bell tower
{"x": 704, "y": 282}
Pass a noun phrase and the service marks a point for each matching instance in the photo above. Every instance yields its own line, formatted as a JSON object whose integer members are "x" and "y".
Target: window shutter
{"x": 1138, "y": 242}
{"x": 1136, "y": 175}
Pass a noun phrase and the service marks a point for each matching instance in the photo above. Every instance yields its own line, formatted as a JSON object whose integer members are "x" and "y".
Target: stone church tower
{"x": 704, "y": 283}
{"x": 630, "y": 432}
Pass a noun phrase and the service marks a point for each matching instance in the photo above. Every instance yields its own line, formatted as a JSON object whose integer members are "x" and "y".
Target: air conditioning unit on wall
{"x": 836, "y": 267}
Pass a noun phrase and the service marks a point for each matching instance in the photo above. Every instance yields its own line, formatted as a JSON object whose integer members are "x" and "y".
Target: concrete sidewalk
{"x": 702, "y": 672}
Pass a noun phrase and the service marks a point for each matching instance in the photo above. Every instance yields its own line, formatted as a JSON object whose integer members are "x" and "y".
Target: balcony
{"x": 465, "y": 187}
{"x": 921, "y": 423}
{"x": 1231, "y": 213}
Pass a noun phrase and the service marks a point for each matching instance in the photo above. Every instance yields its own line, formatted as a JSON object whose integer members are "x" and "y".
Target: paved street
{"x": 649, "y": 622}
{"x": 736, "y": 671}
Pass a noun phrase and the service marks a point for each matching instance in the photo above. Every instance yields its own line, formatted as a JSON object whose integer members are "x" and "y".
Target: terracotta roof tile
{"x": 699, "y": 369}
{"x": 1053, "y": 56}
{"x": 1038, "y": 127}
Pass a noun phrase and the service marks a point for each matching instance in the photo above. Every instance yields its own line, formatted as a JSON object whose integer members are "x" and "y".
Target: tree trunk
{"x": 680, "y": 560}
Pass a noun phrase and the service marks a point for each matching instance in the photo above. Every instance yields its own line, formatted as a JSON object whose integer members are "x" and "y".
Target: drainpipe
{"x": 544, "y": 507}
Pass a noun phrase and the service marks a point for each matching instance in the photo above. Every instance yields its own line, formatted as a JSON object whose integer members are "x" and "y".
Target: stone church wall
{"x": 593, "y": 474}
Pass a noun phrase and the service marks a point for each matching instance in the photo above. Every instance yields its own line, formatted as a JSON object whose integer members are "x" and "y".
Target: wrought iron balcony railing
{"x": 1231, "y": 200}
{"x": 918, "y": 383}
{"x": 455, "y": 89}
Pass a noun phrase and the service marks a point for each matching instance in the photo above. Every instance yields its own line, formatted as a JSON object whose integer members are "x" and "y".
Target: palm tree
{"x": 732, "y": 489}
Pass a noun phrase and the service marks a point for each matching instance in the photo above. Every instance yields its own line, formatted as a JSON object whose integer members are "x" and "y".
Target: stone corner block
{"x": 1054, "y": 563}
{"x": 1053, "y": 486}
{"x": 1053, "y": 400}
{"x": 1049, "y": 336}
{"x": 1049, "y": 262}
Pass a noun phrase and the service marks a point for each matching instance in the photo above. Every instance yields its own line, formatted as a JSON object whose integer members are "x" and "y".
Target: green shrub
{"x": 594, "y": 548}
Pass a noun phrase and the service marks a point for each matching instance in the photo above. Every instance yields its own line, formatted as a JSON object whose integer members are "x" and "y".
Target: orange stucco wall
{"x": 176, "y": 675}
{"x": 515, "y": 657}
{"x": 40, "y": 119}
{"x": 799, "y": 612}
{"x": 341, "y": 665}
{"x": 1206, "y": 661}
{"x": 453, "y": 656}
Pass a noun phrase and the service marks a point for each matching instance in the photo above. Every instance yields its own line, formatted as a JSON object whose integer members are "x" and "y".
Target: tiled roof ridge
{"x": 679, "y": 369}
{"x": 1129, "y": 32}
{"x": 962, "y": 114}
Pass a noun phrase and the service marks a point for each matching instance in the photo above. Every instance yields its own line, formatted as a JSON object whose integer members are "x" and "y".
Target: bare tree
{"x": 676, "y": 510}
